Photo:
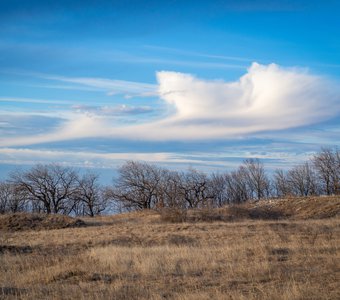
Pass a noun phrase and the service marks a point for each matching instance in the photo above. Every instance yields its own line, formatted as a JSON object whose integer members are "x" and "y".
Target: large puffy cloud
{"x": 266, "y": 98}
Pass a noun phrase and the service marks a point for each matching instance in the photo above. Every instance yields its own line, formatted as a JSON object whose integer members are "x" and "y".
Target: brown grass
{"x": 302, "y": 208}
{"x": 137, "y": 256}
{"x": 26, "y": 221}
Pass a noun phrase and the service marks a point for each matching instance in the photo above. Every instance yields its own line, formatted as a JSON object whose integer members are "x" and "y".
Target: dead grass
{"x": 136, "y": 256}
{"x": 298, "y": 208}
{"x": 27, "y": 221}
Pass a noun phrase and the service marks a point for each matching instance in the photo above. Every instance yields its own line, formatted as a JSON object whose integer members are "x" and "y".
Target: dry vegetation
{"x": 283, "y": 249}
{"x": 34, "y": 221}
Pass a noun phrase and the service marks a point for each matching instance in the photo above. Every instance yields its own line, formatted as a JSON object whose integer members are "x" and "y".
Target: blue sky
{"x": 177, "y": 83}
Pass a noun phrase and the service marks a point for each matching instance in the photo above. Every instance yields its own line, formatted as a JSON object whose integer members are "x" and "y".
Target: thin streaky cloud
{"x": 90, "y": 159}
{"x": 113, "y": 110}
{"x": 184, "y": 63}
{"x": 136, "y": 59}
{"x": 66, "y": 87}
{"x": 197, "y": 54}
{"x": 30, "y": 100}
{"x": 63, "y": 115}
{"x": 119, "y": 85}
{"x": 110, "y": 86}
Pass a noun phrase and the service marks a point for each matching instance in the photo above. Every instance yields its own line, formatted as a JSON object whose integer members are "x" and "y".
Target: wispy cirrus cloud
{"x": 79, "y": 158}
{"x": 13, "y": 124}
{"x": 218, "y": 161}
{"x": 181, "y": 62}
{"x": 95, "y": 84}
{"x": 198, "y": 54}
{"x": 30, "y": 100}
{"x": 113, "y": 110}
{"x": 266, "y": 98}
{"x": 112, "y": 87}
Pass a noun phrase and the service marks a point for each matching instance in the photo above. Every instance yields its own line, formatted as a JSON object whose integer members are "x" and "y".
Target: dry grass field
{"x": 279, "y": 249}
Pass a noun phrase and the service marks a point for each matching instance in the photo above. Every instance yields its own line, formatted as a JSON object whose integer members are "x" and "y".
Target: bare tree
{"x": 5, "y": 197}
{"x": 337, "y": 187}
{"x": 137, "y": 185}
{"x": 302, "y": 180}
{"x": 11, "y": 198}
{"x": 326, "y": 163}
{"x": 218, "y": 189}
{"x": 170, "y": 190}
{"x": 51, "y": 186}
{"x": 195, "y": 188}
{"x": 237, "y": 188}
{"x": 257, "y": 180}
{"x": 281, "y": 183}
{"x": 89, "y": 196}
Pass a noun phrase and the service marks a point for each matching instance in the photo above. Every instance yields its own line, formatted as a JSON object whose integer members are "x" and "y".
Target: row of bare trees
{"x": 53, "y": 189}
{"x": 140, "y": 185}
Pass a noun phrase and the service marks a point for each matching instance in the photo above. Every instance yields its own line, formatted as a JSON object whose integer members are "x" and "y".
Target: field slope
{"x": 278, "y": 249}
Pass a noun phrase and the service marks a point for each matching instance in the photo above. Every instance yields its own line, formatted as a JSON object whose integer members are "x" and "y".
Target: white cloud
{"x": 266, "y": 98}
{"x": 265, "y": 93}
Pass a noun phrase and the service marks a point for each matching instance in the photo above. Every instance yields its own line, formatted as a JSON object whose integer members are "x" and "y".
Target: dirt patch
{"x": 26, "y": 221}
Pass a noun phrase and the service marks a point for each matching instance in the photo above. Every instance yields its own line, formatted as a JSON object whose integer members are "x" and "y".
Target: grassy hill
{"x": 278, "y": 249}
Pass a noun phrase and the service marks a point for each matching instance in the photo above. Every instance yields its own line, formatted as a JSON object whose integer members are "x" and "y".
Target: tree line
{"x": 140, "y": 185}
